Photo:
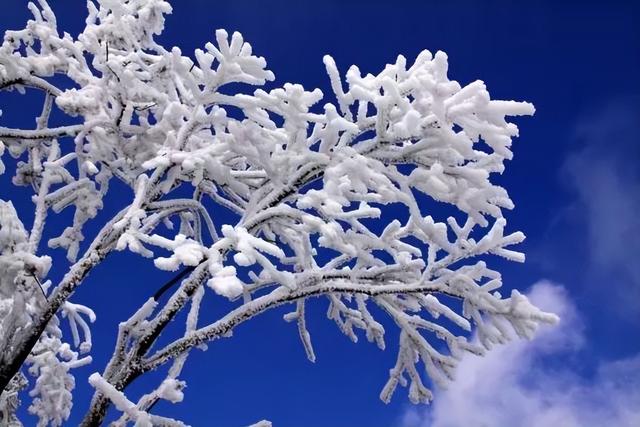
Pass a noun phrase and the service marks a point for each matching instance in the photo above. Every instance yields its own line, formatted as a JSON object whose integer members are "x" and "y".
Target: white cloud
{"x": 519, "y": 385}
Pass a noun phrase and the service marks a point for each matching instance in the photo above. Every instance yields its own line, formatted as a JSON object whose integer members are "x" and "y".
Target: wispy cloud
{"x": 524, "y": 384}
{"x": 605, "y": 176}
{"x": 595, "y": 239}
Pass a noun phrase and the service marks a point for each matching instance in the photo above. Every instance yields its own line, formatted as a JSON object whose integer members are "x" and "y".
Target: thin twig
{"x": 32, "y": 274}
{"x": 172, "y": 282}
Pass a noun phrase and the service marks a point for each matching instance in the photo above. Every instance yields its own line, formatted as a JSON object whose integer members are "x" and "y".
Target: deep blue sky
{"x": 575, "y": 181}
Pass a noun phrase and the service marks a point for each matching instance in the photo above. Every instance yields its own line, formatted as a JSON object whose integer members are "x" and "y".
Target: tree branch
{"x": 34, "y": 82}
{"x": 47, "y": 133}
{"x": 276, "y": 298}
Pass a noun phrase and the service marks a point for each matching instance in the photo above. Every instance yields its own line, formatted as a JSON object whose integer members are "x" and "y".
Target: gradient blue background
{"x": 575, "y": 181}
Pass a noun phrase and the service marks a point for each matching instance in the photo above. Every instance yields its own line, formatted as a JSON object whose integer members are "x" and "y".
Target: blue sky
{"x": 575, "y": 181}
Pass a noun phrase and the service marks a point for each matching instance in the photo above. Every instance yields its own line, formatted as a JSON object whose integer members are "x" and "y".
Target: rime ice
{"x": 309, "y": 178}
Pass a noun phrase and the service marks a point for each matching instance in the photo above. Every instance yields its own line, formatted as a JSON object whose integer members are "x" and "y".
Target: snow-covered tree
{"x": 309, "y": 186}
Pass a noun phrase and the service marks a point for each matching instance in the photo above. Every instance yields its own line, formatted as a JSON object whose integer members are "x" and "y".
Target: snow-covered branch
{"x": 310, "y": 189}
